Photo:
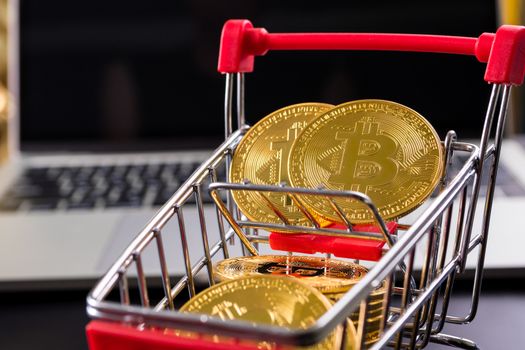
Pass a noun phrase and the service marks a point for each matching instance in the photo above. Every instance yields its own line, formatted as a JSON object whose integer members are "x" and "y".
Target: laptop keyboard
{"x": 84, "y": 187}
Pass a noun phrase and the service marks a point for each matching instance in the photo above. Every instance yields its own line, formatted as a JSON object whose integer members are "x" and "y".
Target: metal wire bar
{"x": 166, "y": 283}
{"x": 460, "y": 223}
{"x": 389, "y": 282}
{"x": 185, "y": 251}
{"x": 478, "y": 276}
{"x": 345, "y": 338}
{"x": 340, "y": 214}
{"x": 440, "y": 238}
{"x": 304, "y": 210}
{"x": 391, "y": 332}
{"x": 220, "y": 224}
{"x": 233, "y": 224}
{"x": 165, "y": 213}
{"x": 143, "y": 288}
{"x": 123, "y": 287}
{"x": 273, "y": 208}
{"x": 453, "y": 341}
{"x": 335, "y": 232}
{"x": 258, "y": 238}
{"x": 487, "y": 126}
{"x": 441, "y": 262}
{"x": 228, "y": 127}
{"x": 204, "y": 232}
{"x": 445, "y": 304}
{"x": 300, "y": 191}
{"x": 195, "y": 269}
{"x": 240, "y": 100}
{"x": 406, "y": 296}
{"x": 362, "y": 324}
{"x": 426, "y": 273}
{"x": 228, "y": 98}
{"x": 394, "y": 256}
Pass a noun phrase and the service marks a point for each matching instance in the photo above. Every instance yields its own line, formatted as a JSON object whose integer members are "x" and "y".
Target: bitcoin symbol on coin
{"x": 381, "y": 148}
{"x": 367, "y": 158}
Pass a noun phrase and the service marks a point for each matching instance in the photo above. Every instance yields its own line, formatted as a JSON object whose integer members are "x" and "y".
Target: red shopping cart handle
{"x": 504, "y": 51}
{"x": 103, "y": 335}
{"x": 343, "y": 247}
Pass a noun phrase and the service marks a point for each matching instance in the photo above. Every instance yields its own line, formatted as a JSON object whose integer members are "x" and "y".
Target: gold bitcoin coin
{"x": 375, "y": 298}
{"x": 273, "y": 300}
{"x": 380, "y": 148}
{"x": 374, "y": 315}
{"x": 326, "y": 275}
{"x": 262, "y": 158}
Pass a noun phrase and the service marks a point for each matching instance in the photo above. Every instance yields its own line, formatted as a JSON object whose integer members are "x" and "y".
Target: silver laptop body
{"x": 68, "y": 245}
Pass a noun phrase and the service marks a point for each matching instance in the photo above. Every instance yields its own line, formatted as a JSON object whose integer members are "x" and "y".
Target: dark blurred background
{"x": 138, "y": 75}
{"x": 142, "y": 74}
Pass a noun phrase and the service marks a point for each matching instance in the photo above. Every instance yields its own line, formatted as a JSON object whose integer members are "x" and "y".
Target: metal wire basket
{"x": 417, "y": 267}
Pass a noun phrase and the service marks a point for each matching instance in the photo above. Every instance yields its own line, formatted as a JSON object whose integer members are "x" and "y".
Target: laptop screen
{"x": 137, "y": 75}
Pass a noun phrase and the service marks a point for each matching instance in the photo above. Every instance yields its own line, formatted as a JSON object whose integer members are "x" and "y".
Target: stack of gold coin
{"x": 273, "y": 300}
{"x": 374, "y": 316}
{"x": 379, "y": 148}
{"x": 331, "y": 277}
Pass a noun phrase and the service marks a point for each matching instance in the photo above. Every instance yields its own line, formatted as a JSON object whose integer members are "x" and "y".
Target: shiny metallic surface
{"x": 380, "y": 148}
{"x": 326, "y": 275}
{"x": 204, "y": 232}
{"x": 263, "y": 299}
{"x": 240, "y": 100}
{"x": 302, "y": 192}
{"x": 262, "y": 158}
{"x": 228, "y": 102}
{"x": 220, "y": 224}
{"x": 463, "y": 187}
{"x": 143, "y": 288}
{"x": 333, "y": 317}
{"x": 166, "y": 282}
{"x": 123, "y": 288}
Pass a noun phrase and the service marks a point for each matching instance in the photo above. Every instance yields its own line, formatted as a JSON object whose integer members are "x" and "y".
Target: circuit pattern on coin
{"x": 262, "y": 158}
{"x": 326, "y": 275}
{"x": 380, "y": 148}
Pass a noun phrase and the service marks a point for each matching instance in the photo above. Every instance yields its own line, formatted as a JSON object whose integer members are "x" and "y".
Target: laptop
{"x": 115, "y": 104}
{"x": 104, "y": 128}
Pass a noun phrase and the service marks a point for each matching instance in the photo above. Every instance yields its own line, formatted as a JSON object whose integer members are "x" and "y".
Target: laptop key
{"x": 94, "y": 186}
{"x": 102, "y": 171}
{"x": 43, "y": 203}
{"x": 36, "y": 172}
{"x": 84, "y": 174}
{"x": 34, "y": 191}
{"x": 84, "y": 204}
{"x": 152, "y": 171}
{"x": 53, "y": 173}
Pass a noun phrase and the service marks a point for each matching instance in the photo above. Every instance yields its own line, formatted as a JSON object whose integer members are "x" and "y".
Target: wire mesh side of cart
{"x": 415, "y": 304}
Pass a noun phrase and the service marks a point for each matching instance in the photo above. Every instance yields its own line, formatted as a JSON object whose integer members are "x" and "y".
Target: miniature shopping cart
{"x": 415, "y": 308}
